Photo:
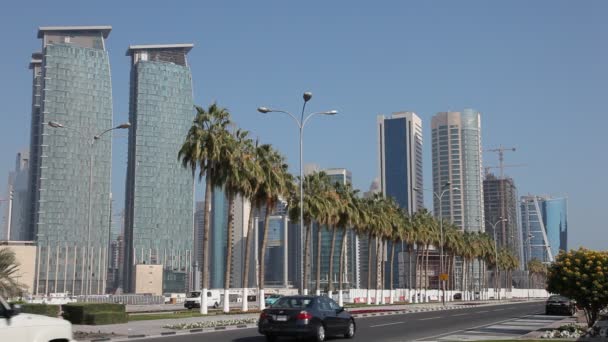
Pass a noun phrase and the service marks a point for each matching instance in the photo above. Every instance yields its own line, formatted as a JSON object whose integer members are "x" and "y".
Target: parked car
{"x": 271, "y": 299}
{"x": 306, "y": 316}
{"x": 16, "y": 326}
{"x": 560, "y": 305}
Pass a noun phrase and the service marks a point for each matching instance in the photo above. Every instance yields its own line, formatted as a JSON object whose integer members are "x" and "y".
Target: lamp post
{"x": 301, "y": 124}
{"x": 446, "y": 187}
{"x": 496, "y": 253}
{"x": 91, "y": 141}
{"x": 530, "y": 236}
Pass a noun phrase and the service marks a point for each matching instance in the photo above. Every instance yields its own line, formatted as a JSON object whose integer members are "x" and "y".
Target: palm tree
{"x": 350, "y": 216}
{"x": 9, "y": 266}
{"x": 336, "y": 209}
{"x": 277, "y": 182}
{"x": 236, "y": 165}
{"x": 537, "y": 272}
{"x": 202, "y": 150}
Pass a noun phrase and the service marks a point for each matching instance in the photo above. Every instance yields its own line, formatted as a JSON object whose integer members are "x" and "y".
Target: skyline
{"x": 545, "y": 85}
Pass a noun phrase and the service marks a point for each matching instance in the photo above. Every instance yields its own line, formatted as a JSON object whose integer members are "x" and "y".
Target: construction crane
{"x": 488, "y": 168}
{"x": 501, "y": 157}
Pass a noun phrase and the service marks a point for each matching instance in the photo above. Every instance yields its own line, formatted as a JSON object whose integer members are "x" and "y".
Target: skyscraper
{"x": 456, "y": 151}
{"x": 500, "y": 202}
{"x": 159, "y": 191}
{"x": 400, "y": 153}
{"x": 400, "y": 168}
{"x": 18, "y": 193}
{"x": 544, "y": 223}
{"x": 72, "y": 86}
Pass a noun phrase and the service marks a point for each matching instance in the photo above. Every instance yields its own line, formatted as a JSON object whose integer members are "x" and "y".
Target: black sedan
{"x": 306, "y": 316}
{"x": 560, "y": 305}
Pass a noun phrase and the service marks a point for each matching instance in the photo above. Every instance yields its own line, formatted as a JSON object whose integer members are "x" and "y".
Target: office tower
{"x": 17, "y": 208}
{"x": 457, "y": 174}
{"x": 400, "y": 153}
{"x": 456, "y": 151}
{"x": 159, "y": 191}
{"x": 70, "y": 206}
{"x": 400, "y": 168}
{"x": 500, "y": 202}
{"x": 544, "y": 223}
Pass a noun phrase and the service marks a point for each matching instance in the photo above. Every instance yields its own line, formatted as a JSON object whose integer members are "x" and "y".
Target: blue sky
{"x": 536, "y": 70}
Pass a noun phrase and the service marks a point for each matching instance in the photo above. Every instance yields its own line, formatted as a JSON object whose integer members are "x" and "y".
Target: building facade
{"x": 159, "y": 227}
{"x": 500, "y": 202}
{"x": 18, "y": 201}
{"x": 544, "y": 223}
{"x": 70, "y": 208}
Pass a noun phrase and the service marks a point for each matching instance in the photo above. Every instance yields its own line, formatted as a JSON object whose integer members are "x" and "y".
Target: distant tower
{"x": 544, "y": 223}
{"x": 18, "y": 189}
{"x": 159, "y": 191}
{"x": 457, "y": 160}
{"x": 72, "y": 86}
{"x": 400, "y": 153}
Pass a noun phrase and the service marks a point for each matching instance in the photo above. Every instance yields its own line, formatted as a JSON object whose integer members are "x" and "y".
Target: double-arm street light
{"x": 500, "y": 220}
{"x": 301, "y": 122}
{"x": 91, "y": 140}
{"x": 445, "y": 188}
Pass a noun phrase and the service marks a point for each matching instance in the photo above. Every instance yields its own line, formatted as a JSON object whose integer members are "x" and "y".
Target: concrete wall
{"x": 149, "y": 279}
{"x": 26, "y": 256}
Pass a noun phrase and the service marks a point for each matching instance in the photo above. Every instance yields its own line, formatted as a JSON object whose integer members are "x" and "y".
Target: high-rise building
{"x": 18, "y": 195}
{"x": 500, "y": 209}
{"x": 400, "y": 153}
{"x": 72, "y": 86}
{"x": 400, "y": 168}
{"x": 457, "y": 161}
{"x": 159, "y": 195}
{"x": 457, "y": 174}
{"x": 544, "y": 223}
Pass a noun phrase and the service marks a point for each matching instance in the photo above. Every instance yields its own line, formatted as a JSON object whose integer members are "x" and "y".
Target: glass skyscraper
{"x": 159, "y": 191}
{"x": 544, "y": 222}
{"x": 72, "y": 86}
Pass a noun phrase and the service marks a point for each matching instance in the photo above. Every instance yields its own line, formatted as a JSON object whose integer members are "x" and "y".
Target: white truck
{"x": 193, "y": 299}
{"x": 16, "y": 326}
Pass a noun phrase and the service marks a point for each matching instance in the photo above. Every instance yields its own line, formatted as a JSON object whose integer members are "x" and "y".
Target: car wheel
{"x": 350, "y": 331}
{"x": 320, "y": 333}
{"x": 270, "y": 338}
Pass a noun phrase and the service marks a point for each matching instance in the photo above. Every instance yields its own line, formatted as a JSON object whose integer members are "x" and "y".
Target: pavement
{"x": 393, "y": 324}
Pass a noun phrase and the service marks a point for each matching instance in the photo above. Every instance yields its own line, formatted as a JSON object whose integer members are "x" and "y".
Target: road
{"x": 429, "y": 326}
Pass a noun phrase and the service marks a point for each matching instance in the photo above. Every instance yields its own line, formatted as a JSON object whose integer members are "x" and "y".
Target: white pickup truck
{"x": 15, "y": 326}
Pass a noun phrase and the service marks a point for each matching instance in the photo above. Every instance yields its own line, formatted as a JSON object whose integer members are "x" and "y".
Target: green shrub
{"x": 41, "y": 309}
{"x": 76, "y": 312}
{"x": 99, "y": 318}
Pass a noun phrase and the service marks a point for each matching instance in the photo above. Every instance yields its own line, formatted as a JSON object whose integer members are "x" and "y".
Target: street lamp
{"x": 91, "y": 141}
{"x": 526, "y": 241}
{"x": 496, "y": 252}
{"x": 301, "y": 122}
{"x": 446, "y": 187}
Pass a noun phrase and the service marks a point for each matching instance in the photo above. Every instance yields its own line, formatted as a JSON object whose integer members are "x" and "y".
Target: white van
{"x": 193, "y": 299}
{"x": 15, "y": 326}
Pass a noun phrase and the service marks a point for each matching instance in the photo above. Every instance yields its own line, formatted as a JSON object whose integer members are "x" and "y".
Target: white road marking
{"x": 461, "y": 330}
{"x": 498, "y": 310}
{"x": 483, "y": 311}
{"x": 461, "y": 315}
{"x": 426, "y": 319}
{"x": 385, "y": 324}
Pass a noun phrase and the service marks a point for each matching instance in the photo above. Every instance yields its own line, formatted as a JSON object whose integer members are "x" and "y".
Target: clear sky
{"x": 536, "y": 70}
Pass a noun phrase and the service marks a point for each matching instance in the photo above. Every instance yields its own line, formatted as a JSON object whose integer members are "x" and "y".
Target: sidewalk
{"x": 155, "y": 327}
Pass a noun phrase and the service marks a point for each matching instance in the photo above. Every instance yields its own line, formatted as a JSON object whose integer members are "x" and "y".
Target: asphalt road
{"x": 405, "y": 327}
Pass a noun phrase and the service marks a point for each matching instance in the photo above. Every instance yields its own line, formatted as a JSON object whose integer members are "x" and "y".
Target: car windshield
{"x": 559, "y": 298}
{"x": 293, "y": 303}
{"x": 194, "y": 294}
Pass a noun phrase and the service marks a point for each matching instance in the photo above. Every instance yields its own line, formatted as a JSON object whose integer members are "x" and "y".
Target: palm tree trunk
{"x": 209, "y": 186}
{"x": 228, "y": 253}
{"x": 342, "y": 266}
{"x": 263, "y": 254}
{"x": 378, "y": 274}
{"x": 307, "y": 257}
{"x": 418, "y": 280}
{"x": 330, "y": 275}
{"x": 248, "y": 242}
{"x": 369, "y": 267}
{"x": 392, "y": 262}
{"x": 319, "y": 234}
{"x": 426, "y": 273}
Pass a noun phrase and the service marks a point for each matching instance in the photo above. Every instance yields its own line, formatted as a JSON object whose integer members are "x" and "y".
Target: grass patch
{"x": 183, "y": 314}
